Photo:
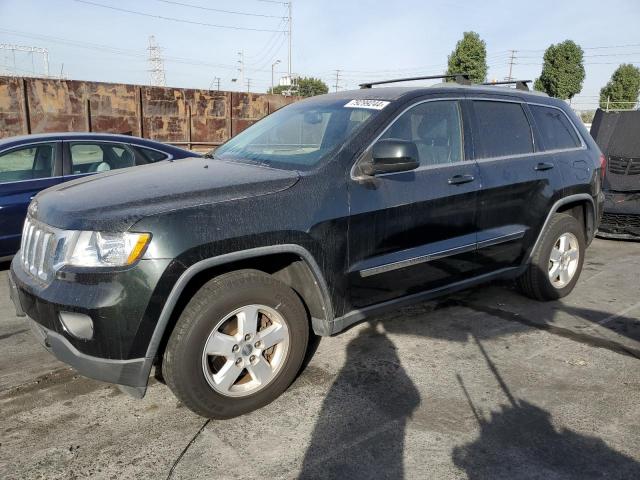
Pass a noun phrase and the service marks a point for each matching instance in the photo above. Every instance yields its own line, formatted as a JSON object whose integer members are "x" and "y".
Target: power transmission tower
{"x": 24, "y": 48}
{"x": 156, "y": 62}
{"x": 511, "y": 59}
{"x": 248, "y": 85}
{"x": 337, "y": 84}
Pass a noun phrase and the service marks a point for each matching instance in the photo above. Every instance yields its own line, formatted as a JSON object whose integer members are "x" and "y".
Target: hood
{"x": 115, "y": 200}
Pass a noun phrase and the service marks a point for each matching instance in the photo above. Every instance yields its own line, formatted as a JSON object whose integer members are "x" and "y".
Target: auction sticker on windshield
{"x": 372, "y": 104}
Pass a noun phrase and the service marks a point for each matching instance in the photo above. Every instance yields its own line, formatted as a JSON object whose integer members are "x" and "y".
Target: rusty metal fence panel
{"x": 191, "y": 118}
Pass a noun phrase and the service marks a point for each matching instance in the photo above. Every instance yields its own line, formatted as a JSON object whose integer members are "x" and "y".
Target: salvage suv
{"x": 220, "y": 270}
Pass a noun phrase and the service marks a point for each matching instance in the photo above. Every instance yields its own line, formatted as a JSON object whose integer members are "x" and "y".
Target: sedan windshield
{"x": 300, "y": 135}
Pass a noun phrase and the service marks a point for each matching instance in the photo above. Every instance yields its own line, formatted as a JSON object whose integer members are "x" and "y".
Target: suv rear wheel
{"x": 238, "y": 344}
{"x": 557, "y": 262}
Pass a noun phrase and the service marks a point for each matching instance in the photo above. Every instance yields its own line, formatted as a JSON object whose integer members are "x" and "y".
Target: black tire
{"x": 535, "y": 282}
{"x": 182, "y": 362}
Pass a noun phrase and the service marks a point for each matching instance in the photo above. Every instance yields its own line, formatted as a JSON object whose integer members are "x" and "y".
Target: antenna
{"x": 157, "y": 63}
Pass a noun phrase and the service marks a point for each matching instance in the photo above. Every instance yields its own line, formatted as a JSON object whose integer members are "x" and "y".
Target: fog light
{"x": 76, "y": 324}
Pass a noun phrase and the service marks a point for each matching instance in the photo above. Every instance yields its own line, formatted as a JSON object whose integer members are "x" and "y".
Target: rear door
{"x": 414, "y": 231}
{"x": 518, "y": 181}
{"x": 24, "y": 171}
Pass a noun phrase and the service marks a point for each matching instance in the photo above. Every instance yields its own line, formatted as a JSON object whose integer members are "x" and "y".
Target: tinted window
{"x": 503, "y": 129}
{"x": 435, "y": 128}
{"x": 100, "y": 157}
{"x": 555, "y": 128}
{"x": 28, "y": 163}
{"x": 152, "y": 155}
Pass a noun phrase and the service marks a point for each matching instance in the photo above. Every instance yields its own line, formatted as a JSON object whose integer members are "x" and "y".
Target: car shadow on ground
{"x": 360, "y": 430}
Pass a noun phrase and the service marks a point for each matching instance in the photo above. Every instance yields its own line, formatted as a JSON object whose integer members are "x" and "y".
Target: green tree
{"x": 623, "y": 87}
{"x": 563, "y": 71}
{"x": 469, "y": 56}
{"x": 303, "y": 86}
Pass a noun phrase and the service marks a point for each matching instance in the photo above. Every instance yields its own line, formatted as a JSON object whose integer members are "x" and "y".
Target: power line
{"x": 124, "y": 52}
{"x": 199, "y": 7}
{"x": 269, "y": 43}
{"x": 588, "y": 48}
{"x": 172, "y": 19}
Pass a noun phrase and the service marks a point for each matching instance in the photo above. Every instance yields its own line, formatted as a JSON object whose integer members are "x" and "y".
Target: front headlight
{"x": 99, "y": 249}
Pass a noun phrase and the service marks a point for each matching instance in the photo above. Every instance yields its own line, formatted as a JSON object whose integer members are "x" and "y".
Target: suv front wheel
{"x": 238, "y": 344}
{"x": 557, "y": 261}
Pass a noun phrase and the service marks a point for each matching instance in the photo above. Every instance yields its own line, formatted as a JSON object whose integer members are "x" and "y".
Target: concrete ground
{"x": 482, "y": 384}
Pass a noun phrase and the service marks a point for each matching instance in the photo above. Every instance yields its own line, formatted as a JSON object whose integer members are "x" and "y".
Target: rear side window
{"x": 556, "y": 129}
{"x": 28, "y": 163}
{"x": 503, "y": 129}
{"x": 152, "y": 155}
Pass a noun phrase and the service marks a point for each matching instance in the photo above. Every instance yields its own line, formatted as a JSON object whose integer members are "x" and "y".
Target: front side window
{"x": 435, "y": 128}
{"x": 28, "y": 163}
{"x": 555, "y": 128}
{"x": 298, "y": 136}
{"x": 503, "y": 129}
{"x": 92, "y": 157}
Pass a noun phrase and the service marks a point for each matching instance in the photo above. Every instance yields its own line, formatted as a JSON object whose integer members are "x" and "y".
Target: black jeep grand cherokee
{"x": 328, "y": 211}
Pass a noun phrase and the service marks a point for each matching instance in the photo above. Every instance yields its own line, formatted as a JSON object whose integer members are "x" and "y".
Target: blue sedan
{"x": 31, "y": 163}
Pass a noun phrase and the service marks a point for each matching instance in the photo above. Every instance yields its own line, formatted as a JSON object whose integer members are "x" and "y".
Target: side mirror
{"x": 393, "y": 155}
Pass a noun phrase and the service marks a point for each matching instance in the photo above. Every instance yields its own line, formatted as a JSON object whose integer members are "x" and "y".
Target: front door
{"x": 415, "y": 231}
{"x": 24, "y": 171}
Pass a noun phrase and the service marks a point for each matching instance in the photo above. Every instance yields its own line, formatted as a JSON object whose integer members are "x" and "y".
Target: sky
{"x": 200, "y": 40}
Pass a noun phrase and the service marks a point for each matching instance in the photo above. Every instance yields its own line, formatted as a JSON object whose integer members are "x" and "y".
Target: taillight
{"x": 603, "y": 166}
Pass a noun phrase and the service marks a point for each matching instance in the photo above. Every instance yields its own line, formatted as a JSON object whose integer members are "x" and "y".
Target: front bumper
{"x": 120, "y": 306}
{"x": 130, "y": 375}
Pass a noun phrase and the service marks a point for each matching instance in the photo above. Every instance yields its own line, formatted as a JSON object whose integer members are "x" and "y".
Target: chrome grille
{"x": 37, "y": 248}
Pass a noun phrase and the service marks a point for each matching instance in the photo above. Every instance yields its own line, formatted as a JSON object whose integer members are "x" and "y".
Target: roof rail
{"x": 461, "y": 78}
{"x": 520, "y": 84}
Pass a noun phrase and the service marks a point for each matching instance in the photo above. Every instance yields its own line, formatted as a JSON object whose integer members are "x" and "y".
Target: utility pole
{"x": 511, "y": 59}
{"x": 156, "y": 62}
{"x": 272, "y": 67}
{"x": 215, "y": 80}
{"x": 241, "y": 67}
{"x": 337, "y": 84}
{"x": 289, "y": 69}
{"x": 248, "y": 85}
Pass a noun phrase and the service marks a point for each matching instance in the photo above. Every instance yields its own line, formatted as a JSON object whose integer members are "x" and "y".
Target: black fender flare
{"x": 189, "y": 273}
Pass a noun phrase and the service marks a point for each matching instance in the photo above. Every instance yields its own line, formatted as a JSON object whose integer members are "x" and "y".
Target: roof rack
{"x": 461, "y": 78}
{"x": 520, "y": 84}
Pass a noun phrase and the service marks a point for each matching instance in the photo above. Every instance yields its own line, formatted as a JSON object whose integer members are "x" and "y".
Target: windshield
{"x": 300, "y": 135}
